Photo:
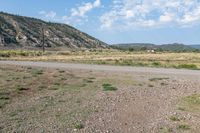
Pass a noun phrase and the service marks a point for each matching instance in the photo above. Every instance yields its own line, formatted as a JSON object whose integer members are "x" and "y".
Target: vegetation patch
{"x": 157, "y": 79}
{"x": 183, "y": 127}
{"x": 188, "y": 66}
{"x": 37, "y": 72}
{"x": 109, "y": 87}
{"x": 156, "y": 64}
{"x": 165, "y": 130}
{"x": 78, "y": 126}
{"x": 4, "y": 99}
{"x": 190, "y": 103}
{"x": 21, "y": 88}
{"x": 150, "y": 85}
{"x": 174, "y": 118}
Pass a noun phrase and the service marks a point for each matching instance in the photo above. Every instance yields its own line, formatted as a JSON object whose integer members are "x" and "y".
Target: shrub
{"x": 188, "y": 66}
{"x": 184, "y": 127}
{"x": 109, "y": 87}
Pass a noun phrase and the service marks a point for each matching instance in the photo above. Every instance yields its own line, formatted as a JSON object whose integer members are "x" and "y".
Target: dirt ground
{"x": 35, "y": 99}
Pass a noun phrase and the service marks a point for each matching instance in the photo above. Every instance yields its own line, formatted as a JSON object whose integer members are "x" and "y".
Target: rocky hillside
{"x": 24, "y": 32}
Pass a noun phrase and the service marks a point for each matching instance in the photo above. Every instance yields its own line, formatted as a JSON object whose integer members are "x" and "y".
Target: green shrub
{"x": 109, "y": 87}
{"x": 184, "y": 127}
{"x": 78, "y": 126}
{"x": 188, "y": 66}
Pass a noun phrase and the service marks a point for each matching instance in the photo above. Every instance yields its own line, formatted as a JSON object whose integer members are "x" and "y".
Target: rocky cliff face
{"x": 24, "y": 32}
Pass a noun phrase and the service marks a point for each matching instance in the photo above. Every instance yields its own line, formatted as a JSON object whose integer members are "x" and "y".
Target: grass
{"x": 157, "y": 79}
{"x": 188, "y": 66}
{"x": 23, "y": 53}
{"x": 109, "y": 87}
{"x": 111, "y": 57}
{"x": 165, "y": 130}
{"x": 174, "y": 118}
{"x": 150, "y": 85}
{"x": 21, "y": 88}
{"x": 183, "y": 127}
{"x": 4, "y": 99}
{"x": 190, "y": 103}
{"x": 78, "y": 126}
{"x": 37, "y": 72}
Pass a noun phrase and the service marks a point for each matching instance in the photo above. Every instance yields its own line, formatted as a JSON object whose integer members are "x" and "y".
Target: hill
{"x": 147, "y": 46}
{"x": 25, "y": 32}
{"x": 197, "y": 46}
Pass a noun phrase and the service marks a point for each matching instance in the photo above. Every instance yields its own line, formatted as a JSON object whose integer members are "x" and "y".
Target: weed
{"x": 4, "y": 99}
{"x": 190, "y": 103}
{"x": 163, "y": 84}
{"x": 187, "y": 66}
{"x": 36, "y": 72}
{"x": 61, "y": 71}
{"x": 174, "y": 118}
{"x": 157, "y": 79}
{"x": 165, "y": 130}
{"x": 109, "y": 87}
{"x": 156, "y": 64}
{"x": 20, "y": 88}
{"x": 78, "y": 126}
{"x": 183, "y": 127}
{"x": 151, "y": 85}
{"x": 88, "y": 81}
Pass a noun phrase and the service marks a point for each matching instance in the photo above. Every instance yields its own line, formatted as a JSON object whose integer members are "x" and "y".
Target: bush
{"x": 109, "y": 87}
{"x": 188, "y": 66}
{"x": 10, "y": 53}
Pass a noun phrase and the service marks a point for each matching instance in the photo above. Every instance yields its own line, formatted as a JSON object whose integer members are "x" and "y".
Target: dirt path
{"x": 102, "y": 67}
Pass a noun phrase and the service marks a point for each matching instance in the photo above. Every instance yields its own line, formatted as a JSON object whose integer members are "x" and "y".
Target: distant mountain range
{"x": 197, "y": 46}
{"x": 175, "y": 47}
{"x": 25, "y": 32}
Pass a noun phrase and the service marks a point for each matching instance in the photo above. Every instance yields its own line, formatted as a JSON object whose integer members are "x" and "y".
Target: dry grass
{"x": 168, "y": 60}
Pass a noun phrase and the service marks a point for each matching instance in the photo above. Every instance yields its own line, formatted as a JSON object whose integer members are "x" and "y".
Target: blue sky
{"x": 119, "y": 21}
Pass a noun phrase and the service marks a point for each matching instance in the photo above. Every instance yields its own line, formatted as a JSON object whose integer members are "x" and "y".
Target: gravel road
{"x": 103, "y": 67}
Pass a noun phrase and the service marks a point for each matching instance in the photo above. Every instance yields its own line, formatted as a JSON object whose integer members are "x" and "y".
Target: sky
{"x": 119, "y": 21}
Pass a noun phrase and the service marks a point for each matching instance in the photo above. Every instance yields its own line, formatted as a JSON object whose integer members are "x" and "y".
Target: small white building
{"x": 151, "y": 51}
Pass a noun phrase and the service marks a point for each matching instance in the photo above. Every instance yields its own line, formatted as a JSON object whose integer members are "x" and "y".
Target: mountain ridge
{"x": 175, "y": 47}
{"x": 26, "y": 32}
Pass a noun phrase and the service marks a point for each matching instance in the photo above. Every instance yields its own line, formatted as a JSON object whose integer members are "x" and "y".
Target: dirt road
{"x": 102, "y": 67}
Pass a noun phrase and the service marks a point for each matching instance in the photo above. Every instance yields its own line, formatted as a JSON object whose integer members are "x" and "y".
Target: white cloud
{"x": 78, "y": 14}
{"x": 82, "y": 10}
{"x": 48, "y": 15}
{"x": 155, "y": 13}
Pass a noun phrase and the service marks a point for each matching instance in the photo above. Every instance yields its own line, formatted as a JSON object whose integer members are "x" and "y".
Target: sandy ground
{"x": 139, "y": 105}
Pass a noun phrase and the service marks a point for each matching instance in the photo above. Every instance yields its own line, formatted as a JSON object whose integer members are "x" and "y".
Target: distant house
{"x": 151, "y": 51}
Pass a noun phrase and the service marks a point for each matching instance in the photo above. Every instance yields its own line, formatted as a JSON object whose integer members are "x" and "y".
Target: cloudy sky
{"x": 119, "y": 21}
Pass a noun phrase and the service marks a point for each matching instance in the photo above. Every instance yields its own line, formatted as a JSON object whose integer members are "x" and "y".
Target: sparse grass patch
{"x": 183, "y": 127}
{"x": 157, "y": 79}
{"x": 190, "y": 103}
{"x": 21, "y": 88}
{"x": 165, "y": 130}
{"x": 163, "y": 84}
{"x": 37, "y": 72}
{"x": 78, "y": 126}
{"x": 150, "y": 85}
{"x": 187, "y": 66}
{"x": 174, "y": 118}
{"x": 4, "y": 99}
{"x": 61, "y": 71}
{"x": 156, "y": 64}
{"x": 109, "y": 87}
{"x": 88, "y": 81}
